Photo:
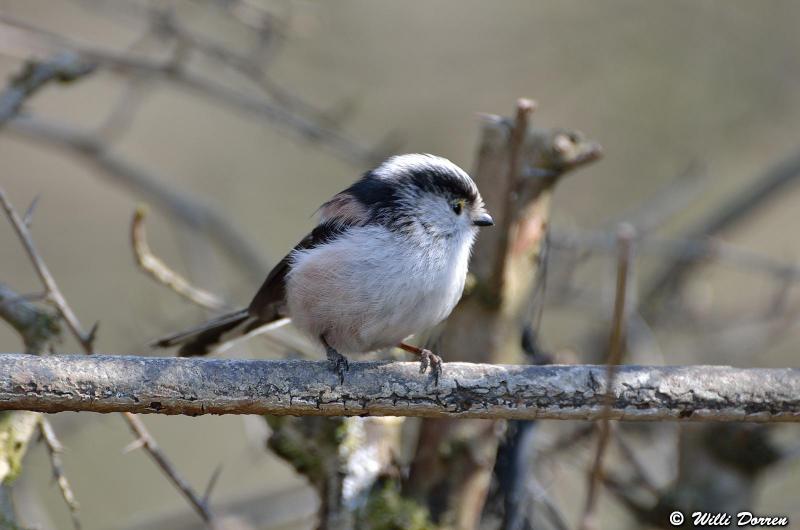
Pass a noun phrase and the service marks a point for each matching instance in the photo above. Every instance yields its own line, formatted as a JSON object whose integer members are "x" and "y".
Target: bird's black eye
{"x": 457, "y": 206}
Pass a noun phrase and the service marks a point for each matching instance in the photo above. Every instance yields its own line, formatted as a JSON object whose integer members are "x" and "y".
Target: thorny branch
{"x": 55, "y": 449}
{"x": 86, "y": 341}
{"x": 52, "y": 291}
{"x": 148, "y": 443}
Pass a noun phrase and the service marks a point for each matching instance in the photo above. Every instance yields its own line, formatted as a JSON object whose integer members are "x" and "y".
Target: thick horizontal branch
{"x": 221, "y": 386}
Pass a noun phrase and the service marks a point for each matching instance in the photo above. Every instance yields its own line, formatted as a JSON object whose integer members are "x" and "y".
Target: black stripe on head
{"x": 384, "y": 191}
{"x": 444, "y": 181}
{"x": 373, "y": 191}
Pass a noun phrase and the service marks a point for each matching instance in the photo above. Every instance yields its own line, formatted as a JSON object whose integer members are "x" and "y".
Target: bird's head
{"x": 423, "y": 193}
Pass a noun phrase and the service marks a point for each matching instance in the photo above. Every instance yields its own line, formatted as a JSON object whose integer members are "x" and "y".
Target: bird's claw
{"x": 338, "y": 363}
{"x": 429, "y": 359}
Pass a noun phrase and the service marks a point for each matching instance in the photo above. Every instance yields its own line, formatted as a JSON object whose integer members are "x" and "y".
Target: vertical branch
{"x": 516, "y": 170}
{"x": 516, "y": 140}
{"x": 625, "y": 236}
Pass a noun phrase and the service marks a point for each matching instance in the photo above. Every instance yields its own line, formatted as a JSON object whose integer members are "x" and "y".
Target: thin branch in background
{"x": 63, "y": 67}
{"x": 209, "y": 88}
{"x": 733, "y": 211}
{"x": 566, "y": 441}
{"x": 158, "y": 270}
{"x": 626, "y": 494}
{"x": 36, "y": 326}
{"x": 164, "y": 275}
{"x": 665, "y": 203}
{"x": 626, "y": 235}
{"x": 54, "y": 294}
{"x": 552, "y": 512}
{"x": 185, "y": 207}
{"x": 92, "y": 149}
{"x": 123, "y": 112}
{"x": 679, "y": 250}
{"x": 86, "y": 341}
{"x": 54, "y": 448}
{"x": 149, "y": 444}
{"x": 251, "y": 67}
{"x": 27, "y": 219}
{"x": 642, "y": 475}
{"x": 250, "y": 14}
{"x": 212, "y": 483}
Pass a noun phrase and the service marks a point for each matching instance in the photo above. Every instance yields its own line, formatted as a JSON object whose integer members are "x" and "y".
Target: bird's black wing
{"x": 268, "y": 302}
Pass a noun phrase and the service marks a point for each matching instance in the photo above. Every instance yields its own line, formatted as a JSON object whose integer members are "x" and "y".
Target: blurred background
{"x": 693, "y": 102}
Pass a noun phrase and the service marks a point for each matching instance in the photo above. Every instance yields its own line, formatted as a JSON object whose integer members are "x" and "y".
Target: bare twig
{"x": 55, "y": 449}
{"x": 36, "y": 326}
{"x": 185, "y": 207}
{"x": 665, "y": 203}
{"x": 193, "y": 386}
{"x": 53, "y": 292}
{"x": 64, "y": 67}
{"x": 159, "y": 270}
{"x": 149, "y": 444}
{"x": 86, "y": 341}
{"x": 616, "y": 346}
{"x": 641, "y": 473}
{"x": 122, "y": 114}
{"x": 251, "y": 105}
{"x": 728, "y": 215}
{"x": 28, "y": 217}
{"x": 680, "y": 250}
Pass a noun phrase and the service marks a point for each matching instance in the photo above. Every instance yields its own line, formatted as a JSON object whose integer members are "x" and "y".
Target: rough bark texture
{"x": 220, "y": 386}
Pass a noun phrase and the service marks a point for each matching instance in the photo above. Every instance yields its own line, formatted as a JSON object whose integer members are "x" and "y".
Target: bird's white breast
{"x": 371, "y": 288}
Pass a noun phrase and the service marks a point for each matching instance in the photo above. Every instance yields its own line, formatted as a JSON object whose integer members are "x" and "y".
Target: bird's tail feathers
{"x": 209, "y": 336}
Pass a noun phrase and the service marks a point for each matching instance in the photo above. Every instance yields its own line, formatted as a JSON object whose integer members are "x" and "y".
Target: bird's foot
{"x": 338, "y": 363}
{"x": 429, "y": 359}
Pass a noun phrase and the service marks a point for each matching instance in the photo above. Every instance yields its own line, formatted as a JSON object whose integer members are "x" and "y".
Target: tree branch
{"x": 54, "y": 449}
{"x": 191, "y": 386}
{"x": 86, "y": 340}
{"x": 193, "y": 211}
{"x": 160, "y": 271}
{"x": 206, "y": 87}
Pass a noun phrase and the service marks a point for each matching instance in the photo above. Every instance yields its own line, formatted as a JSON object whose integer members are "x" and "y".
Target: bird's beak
{"x": 483, "y": 219}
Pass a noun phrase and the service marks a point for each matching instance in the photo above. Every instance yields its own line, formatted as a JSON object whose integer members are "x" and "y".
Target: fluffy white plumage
{"x": 388, "y": 260}
{"x": 372, "y": 288}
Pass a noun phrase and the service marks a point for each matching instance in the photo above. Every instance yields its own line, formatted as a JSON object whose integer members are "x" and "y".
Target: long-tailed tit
{"x": 388, "y": 259}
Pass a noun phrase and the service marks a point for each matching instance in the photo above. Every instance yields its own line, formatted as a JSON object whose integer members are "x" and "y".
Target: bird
{"x": 388, "y": 259}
